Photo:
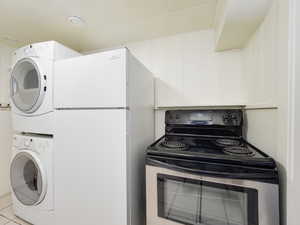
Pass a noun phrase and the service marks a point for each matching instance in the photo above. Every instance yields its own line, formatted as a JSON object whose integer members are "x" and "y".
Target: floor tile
{"x": 11, "y": 223}
{"x": 9, "y": 214}
{"x": 5, "y": 201}
{"x": 3, "y": 220}
{"x": 21, "y": 222}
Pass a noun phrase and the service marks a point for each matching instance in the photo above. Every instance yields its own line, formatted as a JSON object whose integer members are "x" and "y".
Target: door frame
{"x": 293, "y": 132}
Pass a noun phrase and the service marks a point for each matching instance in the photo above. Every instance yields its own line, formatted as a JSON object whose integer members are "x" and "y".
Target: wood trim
{"x": 200, "y": 107}
{"x": 260, "y": 107}
{"x": 246, "y": 107}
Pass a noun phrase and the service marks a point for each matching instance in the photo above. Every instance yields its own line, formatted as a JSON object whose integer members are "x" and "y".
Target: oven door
{"x": 180, "y": 197}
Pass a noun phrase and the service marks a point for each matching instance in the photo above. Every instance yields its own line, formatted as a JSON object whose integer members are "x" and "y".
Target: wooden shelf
{"x": 261, "y": 107}
{"x": 246, "y": 107}
{"x": 200, "y": 107}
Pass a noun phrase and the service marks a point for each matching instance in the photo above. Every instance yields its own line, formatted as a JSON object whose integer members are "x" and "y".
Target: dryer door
{"x": 28, "y": 180}
{"x": 27, "y": 85}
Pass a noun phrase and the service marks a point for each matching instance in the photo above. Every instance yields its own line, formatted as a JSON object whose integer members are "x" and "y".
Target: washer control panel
{"x": 33, "y": 143}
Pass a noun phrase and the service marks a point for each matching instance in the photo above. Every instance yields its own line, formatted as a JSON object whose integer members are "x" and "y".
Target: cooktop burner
{"x": 174, "y": 145}
{"x": 208, "y": 136}
{"x": 239, "y": 151}
{"x": 216, "y": 149}
{"x": 227, "y": 142}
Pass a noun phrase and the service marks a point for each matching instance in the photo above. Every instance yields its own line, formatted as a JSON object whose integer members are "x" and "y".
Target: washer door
{"x": 28, "y": 180}
{"x": 27, "y": 86}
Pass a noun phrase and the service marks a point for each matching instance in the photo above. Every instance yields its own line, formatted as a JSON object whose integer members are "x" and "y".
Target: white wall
{"x": 190, "y": 72}
{"x": 5, "y": 119}
{"x": 262, "y": 130}
{"x": 265, "y": 61}
{"x": 5, "y": 150}
{"x": 260, "y": 82}
{"x": 5, "y": 52}
{"x": 293, "y": 179}
{"x": 260, "y": 62}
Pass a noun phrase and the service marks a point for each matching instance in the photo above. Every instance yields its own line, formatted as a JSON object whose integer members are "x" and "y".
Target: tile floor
{"x": 7, "y": 216}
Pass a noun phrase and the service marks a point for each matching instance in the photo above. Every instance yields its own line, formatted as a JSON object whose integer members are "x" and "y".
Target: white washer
{"x": 31, "y": 178}
{"x": 31, "y": 85}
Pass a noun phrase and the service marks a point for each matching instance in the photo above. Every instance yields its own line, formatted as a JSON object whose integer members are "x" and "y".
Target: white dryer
{"x": 31, "y": 85}
{"x": 31, "y": 177}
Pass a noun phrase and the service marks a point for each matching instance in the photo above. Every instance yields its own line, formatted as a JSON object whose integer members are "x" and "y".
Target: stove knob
{"x": 234, "y": 119}
{"x": 225, "y": 118}
{"x": 228, "y": 119}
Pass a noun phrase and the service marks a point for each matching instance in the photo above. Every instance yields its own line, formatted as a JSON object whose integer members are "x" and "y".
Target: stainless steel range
{"x": 202, "y": 171}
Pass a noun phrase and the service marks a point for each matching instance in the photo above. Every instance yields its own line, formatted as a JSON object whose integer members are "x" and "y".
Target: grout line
{"x": 10, "y": 204}
{"x": 24, "y": 222}
{"x": 8, "y": 220}
{"x": 11, "y": 220}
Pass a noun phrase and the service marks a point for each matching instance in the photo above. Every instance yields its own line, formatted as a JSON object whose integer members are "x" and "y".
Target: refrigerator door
{"x": 91, "y": 81}
{"x": 90, "y": 167}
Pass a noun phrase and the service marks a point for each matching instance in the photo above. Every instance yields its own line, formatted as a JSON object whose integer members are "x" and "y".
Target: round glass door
{"x": 26, "y": 85}
{"x": 27, "y": 179}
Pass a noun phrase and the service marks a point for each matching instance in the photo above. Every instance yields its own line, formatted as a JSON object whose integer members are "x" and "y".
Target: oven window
{"x": 188, "y": 201}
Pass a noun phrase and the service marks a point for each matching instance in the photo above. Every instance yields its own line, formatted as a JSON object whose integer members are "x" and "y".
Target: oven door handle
{"x": 205, "y": 172}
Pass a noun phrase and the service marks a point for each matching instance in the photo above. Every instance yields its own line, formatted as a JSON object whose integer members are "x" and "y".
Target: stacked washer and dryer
{"x": 83, "y": 130}
{"x": 31, "y": 171}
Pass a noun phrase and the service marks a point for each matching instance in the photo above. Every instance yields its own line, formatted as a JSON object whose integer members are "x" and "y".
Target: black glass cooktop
{"x": 221, "y": 149}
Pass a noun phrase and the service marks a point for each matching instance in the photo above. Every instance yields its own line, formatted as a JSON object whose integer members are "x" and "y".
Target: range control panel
{"x": 232, "y": 117}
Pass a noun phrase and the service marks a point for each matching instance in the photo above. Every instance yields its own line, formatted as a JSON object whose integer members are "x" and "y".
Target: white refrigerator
{"x": 104, "y": 121}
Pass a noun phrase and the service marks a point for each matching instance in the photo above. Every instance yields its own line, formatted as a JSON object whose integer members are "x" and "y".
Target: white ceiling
{"x": 108, "y": 22}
